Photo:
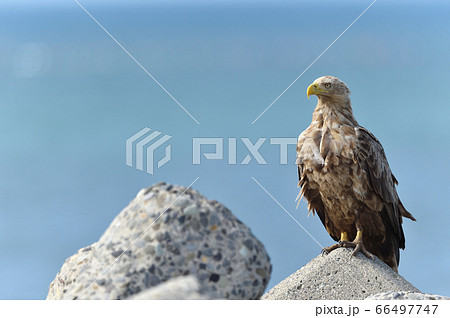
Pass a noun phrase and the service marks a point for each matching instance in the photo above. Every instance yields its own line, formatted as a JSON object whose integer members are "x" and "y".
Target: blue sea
{"x": 70, "y": 97}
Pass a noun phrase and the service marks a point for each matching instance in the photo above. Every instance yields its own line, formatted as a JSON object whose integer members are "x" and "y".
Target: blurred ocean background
{"x": 70, "y": 97}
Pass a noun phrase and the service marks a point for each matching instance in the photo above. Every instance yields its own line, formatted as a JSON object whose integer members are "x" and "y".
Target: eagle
{"x": 346, "y": 179}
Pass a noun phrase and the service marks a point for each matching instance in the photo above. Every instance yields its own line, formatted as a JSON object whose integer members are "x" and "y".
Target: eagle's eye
{"x": 327, "y": 85}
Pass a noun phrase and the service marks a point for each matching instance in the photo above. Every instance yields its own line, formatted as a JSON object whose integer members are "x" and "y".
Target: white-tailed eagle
{"x": 345, "y": 177}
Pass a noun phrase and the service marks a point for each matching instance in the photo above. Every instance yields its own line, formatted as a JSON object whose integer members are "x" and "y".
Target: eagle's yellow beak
{"x": 314, "y": 89}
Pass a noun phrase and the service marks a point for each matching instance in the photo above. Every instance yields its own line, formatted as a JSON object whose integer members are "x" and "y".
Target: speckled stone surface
{"x": 404, "y": 295}
{"x": 163, "y": 234}
{"x": 340, "y": 276}
{"x": 180, "y": 288}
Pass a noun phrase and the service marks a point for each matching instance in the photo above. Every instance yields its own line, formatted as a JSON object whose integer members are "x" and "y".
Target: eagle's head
{"x": 329, "y": 88}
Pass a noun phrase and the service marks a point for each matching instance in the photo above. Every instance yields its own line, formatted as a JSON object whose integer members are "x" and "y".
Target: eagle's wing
{"x": 372, "y": 159}
{"x": 307, "y": 150}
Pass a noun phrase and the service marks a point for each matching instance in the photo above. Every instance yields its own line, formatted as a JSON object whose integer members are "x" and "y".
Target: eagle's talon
{"x": 346, "y": 244}
{"x": 358, "y": 246}
{"x": 329, "y": 249}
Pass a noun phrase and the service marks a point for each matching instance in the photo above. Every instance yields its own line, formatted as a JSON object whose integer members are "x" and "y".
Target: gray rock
{"x": 405, "y": 295}
{"x": 340, "y": 276}
{"x": 180, "y": 288}
{"x": 165, "y": 233}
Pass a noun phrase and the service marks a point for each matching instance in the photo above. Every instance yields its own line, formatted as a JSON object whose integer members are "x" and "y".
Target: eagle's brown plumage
{"x": 345, "y": 177}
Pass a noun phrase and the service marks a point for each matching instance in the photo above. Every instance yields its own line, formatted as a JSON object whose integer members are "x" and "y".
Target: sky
{"x": 70, "y": 97}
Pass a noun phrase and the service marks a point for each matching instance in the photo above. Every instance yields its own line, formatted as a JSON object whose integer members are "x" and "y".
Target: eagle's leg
{"x": 328, "y": 249}
{"x": 357, "y": 244}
